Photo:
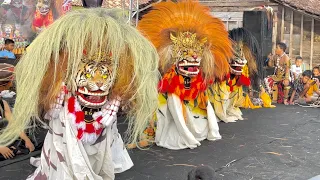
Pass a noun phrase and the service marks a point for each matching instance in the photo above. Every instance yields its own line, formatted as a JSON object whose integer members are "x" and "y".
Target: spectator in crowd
{"x": 297, "y": 68}
{"x": 8, "y": 48}
{"x": 301, "y": 87}
{"x": 6, "y": 117}
{"x": 316, "y": 73}
{"x": 313, "y": 92}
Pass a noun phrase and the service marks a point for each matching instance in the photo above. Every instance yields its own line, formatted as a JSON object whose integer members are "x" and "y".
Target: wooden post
{"x": 228, "y": 25}
{"x": 275, "y": 32}
{"x": 312, "y": 38}
{"x": 282, "y": 25}
{"x": 301, "y": 36}
{"x": 291, "y": 35}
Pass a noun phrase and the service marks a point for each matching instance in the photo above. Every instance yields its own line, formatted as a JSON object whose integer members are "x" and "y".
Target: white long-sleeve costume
{"x": 66, "y": 157}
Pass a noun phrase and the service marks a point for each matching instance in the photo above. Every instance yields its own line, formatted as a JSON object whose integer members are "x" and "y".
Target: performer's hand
{"x": 6, "y": 152}
{"x": 270, "y": 56}
{"x": 29, "y": 145}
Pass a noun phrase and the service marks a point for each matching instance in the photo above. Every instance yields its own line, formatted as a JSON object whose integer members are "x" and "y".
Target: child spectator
{"x": 301, "y": 87}
{"x": 313, "y": 92}
{"x": 297, "y": 68}
{"x": 8, "y": 48}
{"x": 316, "y": 73}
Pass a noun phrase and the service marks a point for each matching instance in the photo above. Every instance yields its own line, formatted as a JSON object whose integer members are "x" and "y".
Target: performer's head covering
{"x": 176, "y": 29}
{"x": 247, "y": 46}
{"x": 68, "y": 46}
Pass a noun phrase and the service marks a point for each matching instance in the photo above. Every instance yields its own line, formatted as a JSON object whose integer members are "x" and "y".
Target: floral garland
{"x": 239, "y": 80}
{"x": 174, "y": 83}
{"x": 89, "y": 131}
{"x": 244, "y": 79}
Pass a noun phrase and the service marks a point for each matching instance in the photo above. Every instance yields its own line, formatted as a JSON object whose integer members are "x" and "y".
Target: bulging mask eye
{"x": 88, "y": 75}
{"x": 104, "y": 76}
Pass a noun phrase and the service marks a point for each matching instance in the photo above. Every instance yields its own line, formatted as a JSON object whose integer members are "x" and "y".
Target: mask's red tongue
{"x": 192, "y": 69}
{"x": 94, "y": 99}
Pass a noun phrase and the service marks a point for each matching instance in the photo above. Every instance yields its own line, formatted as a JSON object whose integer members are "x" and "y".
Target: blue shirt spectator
{"x": 8, "y": 47}
{"x": 7, "y": 54}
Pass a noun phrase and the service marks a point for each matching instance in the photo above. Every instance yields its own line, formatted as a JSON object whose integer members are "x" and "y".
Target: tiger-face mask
{"x": 187, "y": 51}
{"x": 239, "y": 60}
{"x": 94, "y": 80}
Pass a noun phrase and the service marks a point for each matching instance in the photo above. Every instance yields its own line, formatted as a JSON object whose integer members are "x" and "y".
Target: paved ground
{"x": 275, "y": 144}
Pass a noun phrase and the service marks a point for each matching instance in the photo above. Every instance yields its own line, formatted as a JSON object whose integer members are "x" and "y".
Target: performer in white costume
{"x": 79, "y": 71}
{"x": 191, "y": 56}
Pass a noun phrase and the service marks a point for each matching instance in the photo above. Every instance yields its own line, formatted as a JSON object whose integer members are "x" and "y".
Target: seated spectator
{"x": 6, "y": 117}
{"x": 316, "y": 73}
{"x": 297, "y": 68}
{"x": 313, "y": 92}
{"x": 316, "y": 84}
{"x": 301, "y": 87}
{"x": 8, "y": 48}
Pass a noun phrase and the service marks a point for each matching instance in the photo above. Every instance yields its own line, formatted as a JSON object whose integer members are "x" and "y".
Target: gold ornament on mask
{"x": 102, "y": 56}
{"x": 239, "y": 49}
{"x": 187, "y": 40}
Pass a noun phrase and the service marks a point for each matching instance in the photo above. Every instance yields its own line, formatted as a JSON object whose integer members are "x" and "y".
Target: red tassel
{"x": 163, "y": 86}
{"x": 194, "y": 94}
{"x": 175, "y": 82}
{"x": 71, "y": 104}
{"x": 79, "y": 116}
{"x": 90, "y": 128}
{"x": 99, "y": 119}
{"x": 227, "y": 77}
{"x": 243, "y": 80}
{"x": 80, "y": 134}
{"x": 230, "y": 85}
{"x": 99, "y": 131}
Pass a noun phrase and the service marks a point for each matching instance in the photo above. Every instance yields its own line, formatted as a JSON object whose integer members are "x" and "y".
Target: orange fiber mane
{"x": 187, "y": 15}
